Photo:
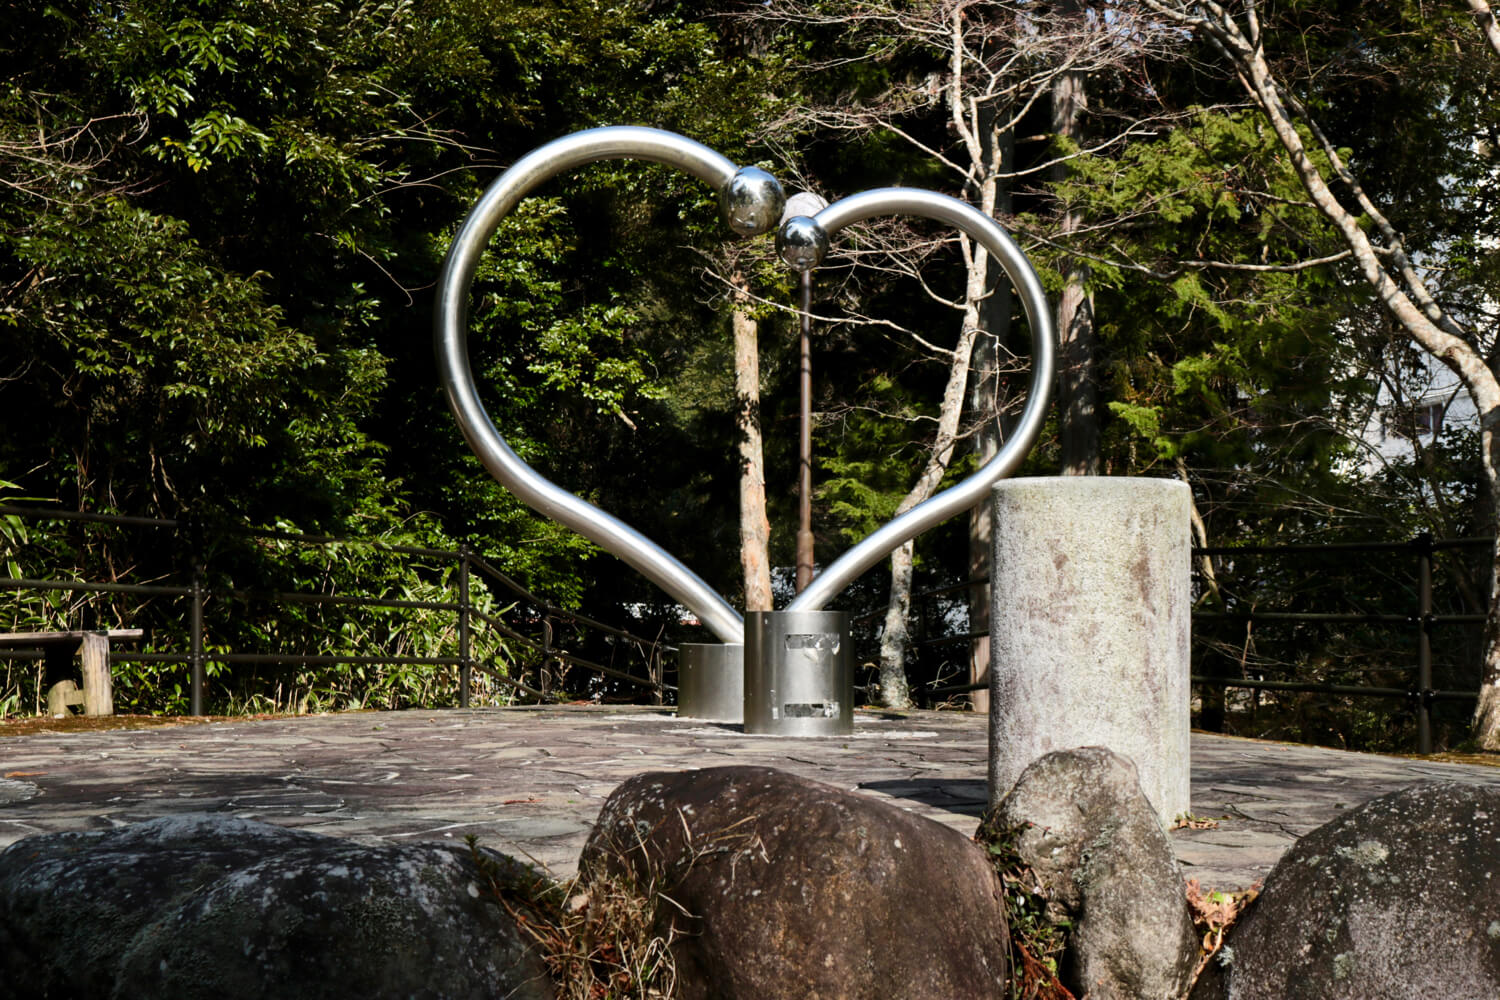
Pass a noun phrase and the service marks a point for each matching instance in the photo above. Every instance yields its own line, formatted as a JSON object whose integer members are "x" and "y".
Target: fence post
{"x": 543, "y": 674}
{"x": 191, "y": 537}
{"x": 915, "y": 653}
{"x": 656, "y": 670}
{"x": 1423, "y": 545}
{"x": 465, "y": 664}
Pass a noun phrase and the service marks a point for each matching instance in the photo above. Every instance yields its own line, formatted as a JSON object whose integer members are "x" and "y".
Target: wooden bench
{"x": 57, "y": 648}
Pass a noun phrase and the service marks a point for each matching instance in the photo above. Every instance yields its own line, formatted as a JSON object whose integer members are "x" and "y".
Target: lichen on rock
{"x": 1395, "y": 899}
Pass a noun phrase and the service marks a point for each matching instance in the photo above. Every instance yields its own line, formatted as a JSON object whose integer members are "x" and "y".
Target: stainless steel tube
{"x": 751, "y": 201}
{"x": 964, "y": 495}
{"x": 711, "y": 682}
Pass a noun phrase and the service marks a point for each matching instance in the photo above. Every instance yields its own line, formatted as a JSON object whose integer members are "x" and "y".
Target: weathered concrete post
{"x": 1089, "y": 634}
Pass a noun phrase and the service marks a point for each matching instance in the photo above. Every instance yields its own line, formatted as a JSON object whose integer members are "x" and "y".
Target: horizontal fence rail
{"x": 546, "y": 618}
{"x": 1422, "y": 620}
{"x": 536, "y": 624}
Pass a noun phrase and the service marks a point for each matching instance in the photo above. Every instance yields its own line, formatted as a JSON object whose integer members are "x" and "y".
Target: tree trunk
{"x": 894, "y": 690}
{"x": 1078, "y": 392}
{"x": 1487, "y": 711}
{"x": 985, "y": 406}
{"x": 1485, "y": 18}
{"x": 755, "y": 528}
{"x": 1210, "y": 696}
{"x": 1408, "y": 299}
{"x": 1431, "y": 329}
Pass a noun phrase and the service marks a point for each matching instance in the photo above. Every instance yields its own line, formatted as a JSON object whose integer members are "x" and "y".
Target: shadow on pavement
{"x": 965, "y": 796}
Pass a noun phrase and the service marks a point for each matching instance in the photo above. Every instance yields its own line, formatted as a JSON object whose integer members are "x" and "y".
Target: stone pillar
{"x": 1089, "y": 631}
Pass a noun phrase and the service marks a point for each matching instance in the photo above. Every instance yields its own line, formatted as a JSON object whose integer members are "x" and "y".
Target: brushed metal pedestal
{"x": 711, "y": 681}
{"x": 799, "y": 680}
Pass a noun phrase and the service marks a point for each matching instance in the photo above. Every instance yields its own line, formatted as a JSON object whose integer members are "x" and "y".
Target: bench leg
{"x": 98, "y": 695}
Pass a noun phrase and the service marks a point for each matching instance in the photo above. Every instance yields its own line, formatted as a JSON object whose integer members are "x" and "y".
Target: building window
{"x": 1422, "y": 420}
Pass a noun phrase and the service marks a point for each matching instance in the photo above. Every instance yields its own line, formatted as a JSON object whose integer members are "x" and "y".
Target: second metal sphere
{"x": 802, "y": 243}
{"x": 752, "y": 201}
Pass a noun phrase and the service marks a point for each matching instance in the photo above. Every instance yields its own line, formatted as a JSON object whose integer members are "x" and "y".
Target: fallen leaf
{"x": 1214, "y": 909}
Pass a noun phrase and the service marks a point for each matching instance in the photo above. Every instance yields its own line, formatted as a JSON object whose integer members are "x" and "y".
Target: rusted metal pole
{"x": 465, "y": 662}
{"x": 197, "y": 700}
{"x": 804, "y": 481}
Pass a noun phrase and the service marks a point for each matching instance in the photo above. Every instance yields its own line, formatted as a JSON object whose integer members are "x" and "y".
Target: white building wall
{"x": 1439, "y": 401}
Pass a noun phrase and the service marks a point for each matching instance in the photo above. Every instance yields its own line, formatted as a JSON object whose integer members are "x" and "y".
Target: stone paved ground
{"x": 530, "y": 781}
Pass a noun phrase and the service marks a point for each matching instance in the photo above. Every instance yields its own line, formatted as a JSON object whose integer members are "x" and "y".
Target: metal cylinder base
{"x": 711, "y": 681}
{"x": 799, "y": 680}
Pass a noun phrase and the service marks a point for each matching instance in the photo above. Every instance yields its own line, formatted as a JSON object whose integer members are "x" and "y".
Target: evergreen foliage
{"x": 221, "y": 220}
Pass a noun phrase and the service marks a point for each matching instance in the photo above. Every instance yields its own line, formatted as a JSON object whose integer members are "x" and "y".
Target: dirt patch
{"x": 1482, "y": 758}
{"x": 99, "y": 723}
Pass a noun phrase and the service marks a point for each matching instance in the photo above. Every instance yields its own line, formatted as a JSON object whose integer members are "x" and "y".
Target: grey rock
{"x": 789, "y": 888}
{"x": 1398, "y": 898}
{"x": 70, "y": 903}
{"x": 12, "y": 790}
{"x": 212, "y": 906}
{"x": 1106, "y": 864}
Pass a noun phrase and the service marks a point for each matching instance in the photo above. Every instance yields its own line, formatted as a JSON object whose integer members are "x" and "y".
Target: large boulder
{"x": 1081, "y": 822}
{"x": 220, "y": 908}
{"x": 781, "y": 887}
{"x": 1398, "y": 898}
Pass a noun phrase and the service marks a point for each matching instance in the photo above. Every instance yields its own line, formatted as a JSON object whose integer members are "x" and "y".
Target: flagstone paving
{"x": 529, "y": 781}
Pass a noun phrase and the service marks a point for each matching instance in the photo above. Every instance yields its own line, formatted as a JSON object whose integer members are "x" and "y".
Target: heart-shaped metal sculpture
{"x": 751, "y": 201}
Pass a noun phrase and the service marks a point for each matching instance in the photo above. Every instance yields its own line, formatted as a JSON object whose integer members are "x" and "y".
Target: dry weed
{"x": 595, "y": 932}
{"x": 1214, "y": 913}
{"x": 1038, "y": 935}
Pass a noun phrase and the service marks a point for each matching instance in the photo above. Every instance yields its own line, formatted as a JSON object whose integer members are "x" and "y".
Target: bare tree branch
{"x": 1485, "y": 18}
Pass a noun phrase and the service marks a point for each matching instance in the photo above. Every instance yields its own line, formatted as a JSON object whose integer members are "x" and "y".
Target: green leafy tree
{"x": 1409, "y": 195}
{"x": 227, "y": 216}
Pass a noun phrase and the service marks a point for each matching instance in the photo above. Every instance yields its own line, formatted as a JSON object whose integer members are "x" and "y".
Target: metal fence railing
{"x": 530, "y": 622}
{"x": 549, "y": 640}
{"x": 1419, "y": 619}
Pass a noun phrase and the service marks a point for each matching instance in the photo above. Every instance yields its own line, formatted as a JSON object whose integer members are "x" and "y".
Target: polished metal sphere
{"x": 802, "y": 243}
{"x": 752, "y": 201}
